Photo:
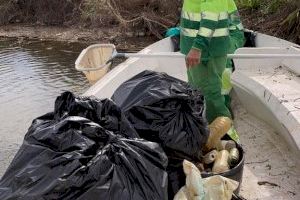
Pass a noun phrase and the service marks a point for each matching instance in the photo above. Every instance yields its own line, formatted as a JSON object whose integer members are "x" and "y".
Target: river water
{"x": 32, "y": 74}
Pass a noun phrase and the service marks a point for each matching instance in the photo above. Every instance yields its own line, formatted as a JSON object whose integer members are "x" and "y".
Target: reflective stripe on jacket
{"x": 205, "y": 25}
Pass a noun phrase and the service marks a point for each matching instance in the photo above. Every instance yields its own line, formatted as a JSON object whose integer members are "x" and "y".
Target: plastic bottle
{"x": 234, "y": 157}
{"x": 218, "y": 128}
{"x": 210, "y": 157}
{"x": 226, "y": 145}
{"x": 221, "y": 163}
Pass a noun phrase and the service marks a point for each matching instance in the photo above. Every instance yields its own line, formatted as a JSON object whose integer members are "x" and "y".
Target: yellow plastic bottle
{"x": 234, "y": 157}
{"x": 210, "y": 157}
{"x": 218, "y": 128}
{"x": 226, "y": 145}
{"x": 221, "y": 163}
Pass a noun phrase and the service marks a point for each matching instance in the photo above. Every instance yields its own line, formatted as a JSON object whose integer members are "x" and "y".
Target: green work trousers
{"x": 207, "y": 77}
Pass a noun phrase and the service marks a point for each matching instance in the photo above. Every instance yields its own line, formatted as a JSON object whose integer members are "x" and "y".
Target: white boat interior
{"x": 266, "y": 105}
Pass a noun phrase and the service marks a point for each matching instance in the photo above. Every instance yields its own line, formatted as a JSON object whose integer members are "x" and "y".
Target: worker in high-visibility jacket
{"x": 205, "y": 40}
{"x": 237, "y": 40}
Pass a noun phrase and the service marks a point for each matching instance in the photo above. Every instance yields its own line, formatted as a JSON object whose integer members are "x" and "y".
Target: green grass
{"x": 249, "y": 4}
{"x": 273, "y": 6}
{"x": 266, "y": 6}
{"x": 6, "y": 10}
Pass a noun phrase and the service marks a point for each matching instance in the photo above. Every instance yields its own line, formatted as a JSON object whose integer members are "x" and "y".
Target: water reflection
{"x": 32, "y": 75}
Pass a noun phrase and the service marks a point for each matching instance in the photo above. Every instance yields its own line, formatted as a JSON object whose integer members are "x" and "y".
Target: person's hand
{"x": 193, "y": 58}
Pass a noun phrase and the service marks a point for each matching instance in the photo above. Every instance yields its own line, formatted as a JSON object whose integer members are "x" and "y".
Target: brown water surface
{"x": 32, "y": 74}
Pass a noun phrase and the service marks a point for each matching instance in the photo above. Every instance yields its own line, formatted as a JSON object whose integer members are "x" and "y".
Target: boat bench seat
{"x": 270, "y": 90}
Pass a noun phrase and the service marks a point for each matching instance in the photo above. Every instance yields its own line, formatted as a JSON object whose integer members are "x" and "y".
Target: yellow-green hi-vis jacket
{"x": 205, "y": 25}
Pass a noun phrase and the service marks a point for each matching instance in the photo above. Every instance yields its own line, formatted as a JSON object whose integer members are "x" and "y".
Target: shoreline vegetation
{"x": 131, "y": 24}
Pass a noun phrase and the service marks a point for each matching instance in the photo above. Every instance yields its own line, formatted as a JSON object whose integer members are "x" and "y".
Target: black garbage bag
{"x": 103, "y": 112}
{"x": 84, "y": 150}
{"x": 250, "y": 37}
{"x": 168, "y": 111}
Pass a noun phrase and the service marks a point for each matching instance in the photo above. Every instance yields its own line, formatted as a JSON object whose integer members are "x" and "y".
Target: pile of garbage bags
{"x": 130, "y": 147}
{"x": 85, "y": 149}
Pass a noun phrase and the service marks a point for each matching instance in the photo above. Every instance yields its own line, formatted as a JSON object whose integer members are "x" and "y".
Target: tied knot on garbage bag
{"x": 103, "y": 112}
{"x": 85, "y": 149}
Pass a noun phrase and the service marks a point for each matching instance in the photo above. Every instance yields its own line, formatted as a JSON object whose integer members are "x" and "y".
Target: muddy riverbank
{"x": 124, "y": 41}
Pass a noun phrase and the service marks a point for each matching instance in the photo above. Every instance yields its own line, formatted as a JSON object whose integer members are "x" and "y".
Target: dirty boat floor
{"x": 270, "y": 171}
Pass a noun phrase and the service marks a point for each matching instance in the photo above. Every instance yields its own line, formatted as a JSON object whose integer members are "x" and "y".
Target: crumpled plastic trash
{"x": 212, "y": 188}
{"x": 194, "y": 188}
{"x": 219, "y": 188}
